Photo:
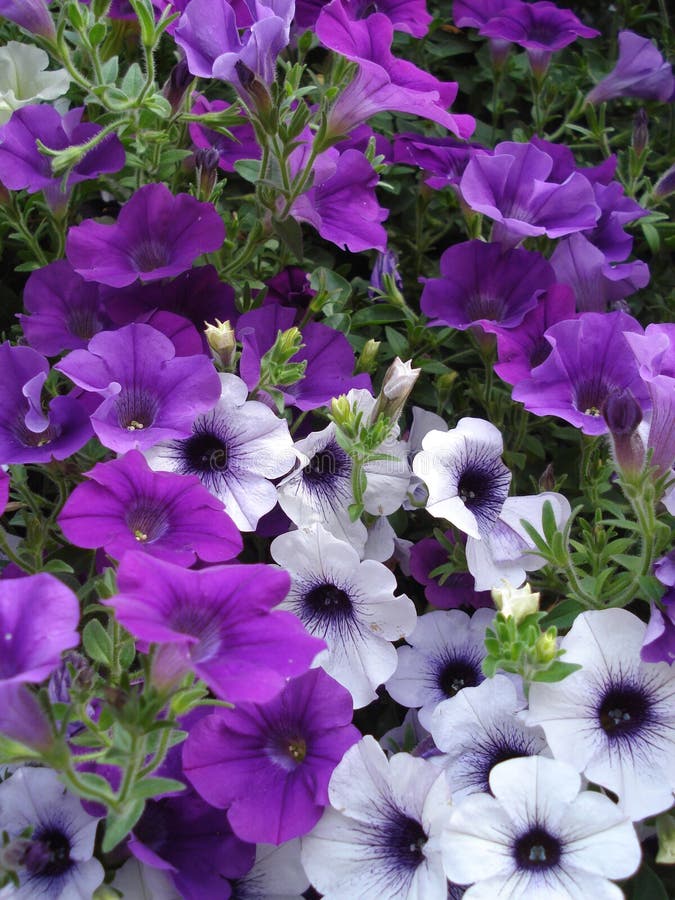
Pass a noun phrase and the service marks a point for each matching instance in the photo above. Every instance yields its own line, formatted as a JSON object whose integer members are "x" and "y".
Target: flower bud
{"x": 623, "y": 414}
{"x": 397, "y": 386}
{"x": 254, "y": 90}
{"x": 206, "y": 164}
{"x": 546, "y": 647}
{"x": 177, "y": 84}
{"x": 518, "y": 603}
{"x": 547, "y": 479}
{"x": 33, "y": 15}
{"x": 222, "y": 341}
{"x": 665, "y": 830}
{"x": 368, "y": 357}
{"x": 666, "y": 184}
{"x": 640, "y": 139}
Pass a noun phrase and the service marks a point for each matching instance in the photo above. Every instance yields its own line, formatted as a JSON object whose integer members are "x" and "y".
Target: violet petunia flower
{"x": 541, "y": 28}
{"x": 640, "y": 71}
{"x": 28, "y": 433}
{"x": 482, "y": 284}
{"x": 217, "y": 622}
{"x": 410, "y": 16}
{"x": 290, "y": 287}
{"x": 149, "y": 393}
{"x": 208, "y": 32}
{"x": 444, "y": 159}
{"x": 38, "y": 621}
{"x": 597, "y": 285}
{"x": 659, "y": 641}
{"x": 341, "y": 204}
{"x": 383, "y": 81}
{"x": 4, "y": 490}
{"x": 156, "y": 235}
{"x": 125, "y": 505}
{"x": 24, "y": 167}
{"x": 456, "y": 590}
{"x": 33, "y": 15}
{"x": 521, "y": 349}
{"x": 616, "y": 210}
{"x": 476, "y": 14}
{"x": 512, "y": 187}
{"x": 65, "y": 311}
{"x": 590, "y": 359}
{"x": 22, "y": 718}
{"x": 327, "y": 352}
{"x": 270, "y": 764}
{"x": 242, "y": 144}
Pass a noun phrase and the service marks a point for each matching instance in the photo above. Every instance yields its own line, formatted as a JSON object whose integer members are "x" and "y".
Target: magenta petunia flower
{"x": 541, "y": 28}
{"x": 482, "y": 284}
{"x": 327, "y": 352}
{"x": 590, "y": 360}
{"x": 33, "y": 15}
{"x": 217, "y": 622}
{"x": 640, "y": 71}
{"x": 28, "y": 433}
{"x": 24, "y": 167}
{"x": 383, "y": 82}
{"x": 512, "y": 187}
{"x": 150, "y": 394}
{"x": 38, "y": 621}
{"x": 270, "y": 764}
{"x": 341, "y": 204}
{"x": 156, "y": 235}
{"x": 520, "y": 349}
{"x": 125, "y": 505}
{"x": 65, "y": 311}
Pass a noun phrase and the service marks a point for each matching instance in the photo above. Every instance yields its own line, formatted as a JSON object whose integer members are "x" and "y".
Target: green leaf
{"x": 646, "y": 885}
{"x": 397, "y": 342}
{"x": 97, "y": 642}
{"x": 96, "y": 783}
{"x": 127, "y": 654}
{"x": 248, "y": 169}
{"x": 548, "y": 521}
{"x": 382, "y": 314}
{"x": 119, "y": 824}
{"x": 110, "y": 70}
{"x": 159, "y": 105}
{"x": 97, "y": 34}
{"x": 563, "y": 614}
{"x": 556, "y": 672}
{"x": 290, "y": 233}
{"x": 151, "y": 787}
{"x": 58, "y": 565}
{"x": 133, "y": 81}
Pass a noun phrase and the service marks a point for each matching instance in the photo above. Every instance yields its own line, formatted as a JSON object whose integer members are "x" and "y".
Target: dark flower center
{"x": 150, "y": 255}
{"x": 623, "y": 711}
{"x": 202, "y": 623}
{"x": 29, "y": 438}
{"x": 473, "y": 487}
{"x": 83, "y": 322}
{"x": 49, "y": 855}
{"x": 147, "y": 521}
{"x": 136, "y": 409}
{"x": 205, "y": 452}
{"x": 326, "y": 466}
{"x": 539, "y": 352}
{"x": 287, "y": 747}
{"x": 537, "y": 850}
{"x": 326, "y": 606}
{"x": 405, "y": 838}
{"x": 481, "y": 306}
{"x": 457, "y": 674}
{"x": 591, "y": 396}
{"x": 483, "y": 486}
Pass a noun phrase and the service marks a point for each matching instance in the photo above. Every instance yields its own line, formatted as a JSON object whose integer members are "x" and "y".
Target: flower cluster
{"x": 337, "y": 455}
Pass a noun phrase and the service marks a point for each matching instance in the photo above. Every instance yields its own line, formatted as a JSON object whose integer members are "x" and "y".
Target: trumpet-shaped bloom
{"x": 405, "y": 15}
{"x": 156, "y": 235}
{"x": 33, "y": 15}
{"x": 23, "y": 79}
{"x": 216, "y": 621}
{"x": 640, "y": 71}
{"x": 270, "y": 764}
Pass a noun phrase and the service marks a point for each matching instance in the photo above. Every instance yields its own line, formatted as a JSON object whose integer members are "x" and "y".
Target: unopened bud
{"x": 368, "y": 357}
{"x": 222, "y": 341}
{"x": 546, "y": 647}
{"x": 386, "y": 264}
{"x": 640, "y": 139}
{"x": 177, "y": 84}
{"x": 254, "y": 89}
{"x": 397, "y": 385}
{"x": 623, "y": 414}
{"x": 666, "y": 184}
{"x": 206, "y": 164}
{"x": 547, "y": 479}
{"x": 665, "y": 831}
{"x": 517, "y": 603}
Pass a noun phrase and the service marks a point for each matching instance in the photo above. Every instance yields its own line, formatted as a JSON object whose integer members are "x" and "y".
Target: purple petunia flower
{"x": 512, "y": 187}
{"x": 125, "y": 505}
{"x": 157, "y": 235}
{"x": 410, "y": 16}
{"x": 242, "y": 144}
{"x": 33, "y": 15}
{"x": 659, "y": 639}
{"x": 482, "y": 284}
{"x": 445, "y": 159}
{"x": 383, "y": 81}
{"x": 38, "y": 621}
{"x": 65, "y": 310}
{"x": 640, "y": 71}
{"x": 150, "y": 394}
{"x": 328, "y": 354}
{"x": 22, "y": 718}
{"x": 27, "y": 433}
{"x": 589, "y": 360}
{"x": 208, "y": 32}
{"x": 541, "y": 28}
{"x": 290, "y": 287}
{"x": 217, "y": 622}
{"x": 23, "y": 166}
{"x": 341, "y": 204}
{"x": 4, "y": 490}
{"x": 597, "y": 285}
{"x": 521, "y": 349}
{"x": 270, "y": 764}
{"x": 456, "y": 590}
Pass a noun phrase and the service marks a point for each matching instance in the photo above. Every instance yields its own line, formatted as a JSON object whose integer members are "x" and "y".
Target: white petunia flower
{"x": 136, "y": 881}
{"x": 480, "y": 728}
{"x": 423, "y": 422}
{"x": 277, "y": 874}
{"x": 56, "y": 861}
{"x": 613, "y": 719}
{"x": 23, "y": 79}
{"x": 538, "y": 837}
{"x": 506, "y": 551}
{"x": 464, "y": 474}
{"x": 381, "y": 836}
{"x": 347, "y": 603}
{"x": 233, "y": 449}
{"x": 446, "y": 652}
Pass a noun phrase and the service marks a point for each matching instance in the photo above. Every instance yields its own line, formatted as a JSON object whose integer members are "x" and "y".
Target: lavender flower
{"x": 481, "y": 284}
{"x": 270, "y": 764}
{"x": 512, "y": 187}
{"x": 242, "y": 144}
{"x": 658, "y": 644}
{"x": 410, "y": 16}
{"x": 640, "y": 72}
{"x": 157, "y": 235}
{"x": 149, "y": 393}
{"x": 215, "y": 621}
{"x": 126, "y": 506}
{"x": 33, "y": 15}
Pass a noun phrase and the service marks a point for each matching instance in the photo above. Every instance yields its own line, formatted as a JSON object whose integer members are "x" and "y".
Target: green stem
{"x": 12, "y": 556}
